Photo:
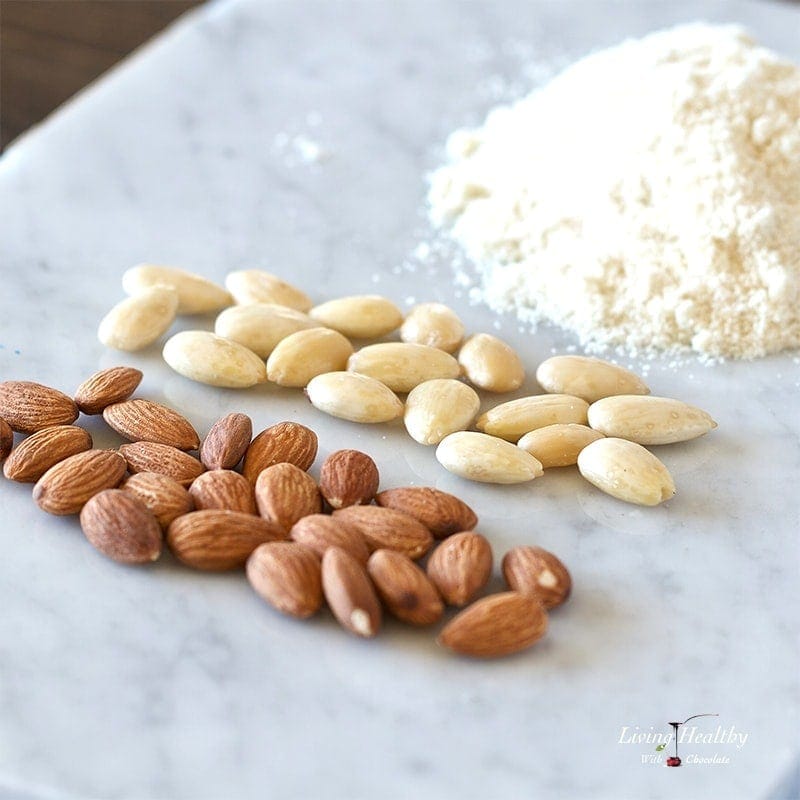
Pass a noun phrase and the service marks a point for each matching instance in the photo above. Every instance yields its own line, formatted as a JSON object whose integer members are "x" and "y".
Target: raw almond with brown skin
{"x": 104, "y": 388}
{"x": 227, "y": 442}
{"x": 162, "y": 495}
{"x": 146, "y": 421}
{"x": 6, "y": 439}
{"x": 320, "y": 531}
{"x": 404, "y": 588}
{"x": 285, "y": 494}
{"x": 288, "y": 442}
{"x": 495, "y": 626}
{"x": 460, "y": 567}
{"x": 35, "y": 455}
{"x": 538, "y": 572}
{"x": 387, "y": 528}
{"x": 67, "y": 486}
{"x": 348, "y": 478}
{"x": 28, "y": 407}
{"x": 163, "y": 459}
{"x": 349, "y": 593}
{"x": 217, "y": 540}
{"x": 443, "y": 514}
{"x": 121, "y": 527}
{"x": 288, "y": 576}
{"x": 223, "y": 488}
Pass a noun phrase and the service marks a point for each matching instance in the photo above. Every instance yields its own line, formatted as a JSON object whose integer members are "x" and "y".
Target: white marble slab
{"x": 161, "y": 683}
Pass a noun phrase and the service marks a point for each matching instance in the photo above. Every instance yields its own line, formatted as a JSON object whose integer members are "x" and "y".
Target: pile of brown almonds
{"x": 593, "y": 413}
{"x": 251, "y": 501}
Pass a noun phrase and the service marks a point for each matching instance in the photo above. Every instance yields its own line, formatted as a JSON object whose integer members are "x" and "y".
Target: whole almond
{"x": 588, "y": 378}
{"x": 366, "y": 316}
{"x": 349, "y": 593}
{"x": 33, "y": 456}
{"x": 227, "y": 442}
{"x": 491, "y": 364}
{"x": 260, "y": 326}
{"x": 354, "y": 397}
{"x": 558, "y": 445}
{"x": 162, "y": 495}
{"x": 433, "y": 324}
{"x": 285, "y": 494}
{"x": 402, "y": 366}
{"x": 138, "y": 321}
{"x": 441, "y": 513}
{"x": 497, "y": 625}
{"x": 217, "y": 539}
{"x": 460, "y": 567}
{"x": 538, "y": 572}
{"x": 286, "y": 442}
{"x": 196, "y": 294}
{"x": 112, "y": 385}
{"x": 404, "y": 588}
{"x": 146, "y": 421}
{"x": 484, "y": 458}
{"x": 223, "y": 488}
{"x": 348, "y": 478}
{"x": 439, "y": 407}
{"x": 258, "y": 286}
{"x": 320, "y": 531}
{"x": 649, "y": 420}
{"x": 163, "y": 459}
{"x": 67, "y": 486}
{"x": 515, "y": 418}
{"x": 204, "y": 357}
{"x": 6, "y": 439}
{"x": 388, "y": 529}
{"x": 303, "y": 355}
{"x": 121, "y": 527}
{"x": 288, "y": 576}
{"x": 627, "y": 471}
{"x": 28, "y": 407}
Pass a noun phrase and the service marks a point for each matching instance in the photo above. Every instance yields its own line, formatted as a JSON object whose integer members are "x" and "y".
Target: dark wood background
{"x": 49, "y": 49}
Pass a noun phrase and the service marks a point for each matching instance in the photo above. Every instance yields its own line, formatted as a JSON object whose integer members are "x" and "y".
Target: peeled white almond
{"x": 303, "y": 355}
{"x": 589, "y": 378}
{"x": 260, "y": 326}
{"x": 365, "y": 316}
{"x": 204, "y": 357}
{"x": 258, "y": 286}
{"x": 479, "y": 457}
{"x": 491, "y": 364}
{"x": 196, "y": 294}
{"x": 558, "y": 445}
{"x": 437, "y": 408}
{"x": 403, "y": 366}
{"x": 433, "y": 324}
{"x": 354, "y": 397}
{"x": 513, "y": 419}
{"x": 136, "y": 322}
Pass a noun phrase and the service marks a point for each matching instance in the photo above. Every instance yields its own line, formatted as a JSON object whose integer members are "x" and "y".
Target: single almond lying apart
{"x": 538, "y": 572}
{"x": 349, "y": 593}
{"x": 28, "y": 407}
{"x": 112, "y": 385}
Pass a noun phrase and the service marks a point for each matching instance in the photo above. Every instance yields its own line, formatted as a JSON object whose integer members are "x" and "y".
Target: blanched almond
{"x": 435, "y": 325}
{"x": 491, "y": 364}
{"x": 480, "y": 457}
{"x": 402, "y": 366}
{"x": 303, "y": 355}
{"x": 136, "y": 322}
{"x": 558, "y": 445}
{"x": 439, "y": 407}
{"x": 261, "y": 326}
{"x": 365, "y": 316}
{"x": 627, "y": 471}
{"x": 588, "y": 378}
{"x": 196, "y": 294}
{"x": 354, "y": 397}
{"x": 258, "y": 286}
{"x": 649, "y": 420}
{"x": 517, "y": 417}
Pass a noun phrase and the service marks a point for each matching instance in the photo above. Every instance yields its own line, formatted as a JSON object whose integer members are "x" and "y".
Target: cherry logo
{"x": 675, "y": 761}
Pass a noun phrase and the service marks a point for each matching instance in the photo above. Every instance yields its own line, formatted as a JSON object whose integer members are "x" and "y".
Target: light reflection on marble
{"x": 160, "y": 683}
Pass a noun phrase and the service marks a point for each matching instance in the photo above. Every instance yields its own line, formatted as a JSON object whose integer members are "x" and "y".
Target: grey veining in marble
{"x": 162, "y": 683}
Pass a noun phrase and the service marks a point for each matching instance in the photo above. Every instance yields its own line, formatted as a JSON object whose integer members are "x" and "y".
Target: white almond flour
{"x": 647, "y": 198}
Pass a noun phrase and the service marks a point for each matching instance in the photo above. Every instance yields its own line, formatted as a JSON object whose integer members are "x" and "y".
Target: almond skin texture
{"x": 146, "y": 421}
{"x": 285, "y": 494}
{"x": 320, "y": 531}
{"x": 163, "y": 459}
{"x": 349, "y": 593}
{"x": 6, "y": 439}
{"x": 460, "y": 567}
{"x": 441, "y": 513}
{"x": 388, "y": 529}
{"x": 288, "y": 442}
{"x": 223, "y": 488}
{"x": 288, "y": 576}
{"x": 537, "y": 572}
{"x": 121, "y": 527}
{"x": 107, "y": 387}
{"x": 28, "y": 407}
{"x": 67, "y": 486}
{"x": 495, "y": 626}
{"x": 35, "y": 455}
{"x": 348, "y": 478}
{"x": 217, "y": 540}
{"x": 227, "y": 442}
{"x": 404, "y": 588}
{"x": 162, "y": 495}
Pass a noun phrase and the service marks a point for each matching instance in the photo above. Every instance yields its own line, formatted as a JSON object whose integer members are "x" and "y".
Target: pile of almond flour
{"x": 647, "y": 198}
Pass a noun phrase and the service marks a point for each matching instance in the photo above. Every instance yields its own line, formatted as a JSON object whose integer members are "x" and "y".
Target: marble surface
{"x": 295, "y": 136}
